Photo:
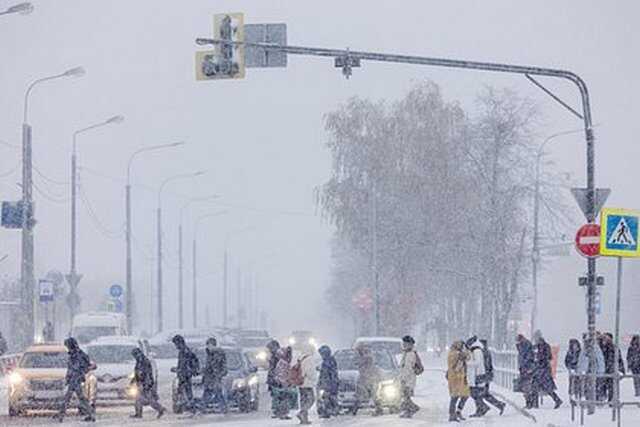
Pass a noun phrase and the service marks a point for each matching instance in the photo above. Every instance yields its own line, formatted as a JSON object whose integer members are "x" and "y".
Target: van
{"x": 89, "y": 326}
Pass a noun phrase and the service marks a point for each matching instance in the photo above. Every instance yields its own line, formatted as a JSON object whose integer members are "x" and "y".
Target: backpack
{"x": 418, "y": 368}
{"x": 296, "y": 377}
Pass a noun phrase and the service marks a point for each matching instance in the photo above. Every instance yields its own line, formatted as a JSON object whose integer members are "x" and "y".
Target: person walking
{"x": 410, "y": 367}
{"x": 583, "y": 362}
{"x": 610, "y": 352}
{"x": 571, "y": 363}
{"x": 306, "y": 382}
{"x": 272, "y": 347}
{"x": 368, "y": 378}
{"x": 484, "y": 379}
{"x": 78, "y": 365}
{"x": 543, "y": 375}
{"x": 457, "y": 380}
{"x": 328, "y": 384}
{"x": 3, "y": 345}
{"x": 633, "y": 362}
{"x": 188, "y": 367}
{"x": 475, "y": 375}
{"x": 281, "y": 393}
{"x": 526, "y": 368}
{"x": 145, "y": 383}
{"x": 214, "y": 371}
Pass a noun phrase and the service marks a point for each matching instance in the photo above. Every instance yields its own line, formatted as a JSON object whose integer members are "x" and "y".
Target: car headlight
{"x": 262, "y": 356}
{"x": 239, "y": 383}
{"x": 292, "y": 341}
{"x": 131, "y": 376}
{"x": 389, "y": 390}
{"x": 252, "y": 381}
{"x": 321, "y": 393}
{"x": 15, "y": 379}
{"x": 133, "y": 391}
{"x": 313, "y": 342}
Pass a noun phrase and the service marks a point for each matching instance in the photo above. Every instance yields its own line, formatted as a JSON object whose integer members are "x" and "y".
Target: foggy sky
{"x": 261, "y": 139}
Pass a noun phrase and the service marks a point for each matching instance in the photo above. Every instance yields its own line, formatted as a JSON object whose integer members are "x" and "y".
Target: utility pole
{"x": 225, "y": 289}
{"x": 374, "y": 256}
{"x": 180, "y": 281}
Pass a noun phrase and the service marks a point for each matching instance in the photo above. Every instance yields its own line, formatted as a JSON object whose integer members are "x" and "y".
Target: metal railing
{"x": 505, "y": 367}
{"x": 577, "y": 398}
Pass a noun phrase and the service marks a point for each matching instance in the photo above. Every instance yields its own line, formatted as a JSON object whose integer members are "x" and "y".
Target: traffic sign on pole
{"x": 580, "y": 194}
{"x": 226, "y": 61}
{"x": 588, "y": 240}
{"x": 46, "y": 290}
{"x": 115, "y": 291}
{"x": 620, "y": 232}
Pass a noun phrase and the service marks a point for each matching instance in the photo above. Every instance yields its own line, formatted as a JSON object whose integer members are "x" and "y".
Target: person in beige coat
{"x": 457, "y": 379}
{"x": 407, "y": 376}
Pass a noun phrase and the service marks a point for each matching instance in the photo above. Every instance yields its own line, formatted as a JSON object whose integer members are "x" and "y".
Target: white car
{"x": 115, "y": 369}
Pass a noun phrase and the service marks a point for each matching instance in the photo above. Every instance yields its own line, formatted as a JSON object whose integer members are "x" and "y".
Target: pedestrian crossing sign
{"x": 619, "y": 236}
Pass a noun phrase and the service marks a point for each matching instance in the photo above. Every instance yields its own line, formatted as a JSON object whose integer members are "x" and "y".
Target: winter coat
{"x": 609, "y": 351}
{"x": 488, "y": 366}
{"x": 143, "y": 373}
{"x": 328, "y": 379}
{"x": 215, "y": 368}
{"x": 3, "y": 345}
{"x": 476, "y": 375}
{"x": 526, "y": 365}
{"x": 583, "y": 361}
{"x": 281, "y": 373}
{"x": 633, "y": 356}
{"x": 572, "y": 356}
{"x": 308, "y": 369}
{"x": 273, "y": 348}
{"x": 188, "y": 364}
{"x": 457, "y": 371}
{"x": 78, "y": 363}
{"x": 368, "y": 372}
{"x": 543, "y": 376}
{"x": 407, "y": 373}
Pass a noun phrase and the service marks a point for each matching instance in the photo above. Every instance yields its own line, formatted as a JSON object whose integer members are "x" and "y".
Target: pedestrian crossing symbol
{"x": 619, "y": 235}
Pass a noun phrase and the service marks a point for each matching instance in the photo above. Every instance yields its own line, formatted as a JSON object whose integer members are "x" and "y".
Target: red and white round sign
{"x": 588, "y": 240}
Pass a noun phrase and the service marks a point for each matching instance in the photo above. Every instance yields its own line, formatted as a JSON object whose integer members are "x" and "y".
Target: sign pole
{"x": 616, "y": 368}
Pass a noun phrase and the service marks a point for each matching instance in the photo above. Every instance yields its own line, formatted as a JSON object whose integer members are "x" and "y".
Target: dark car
{"x": 241, "y": 384}
{"x": 388, "y": 389}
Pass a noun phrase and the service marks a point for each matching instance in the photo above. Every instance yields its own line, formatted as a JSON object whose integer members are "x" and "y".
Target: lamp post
{"x": 73, "y": 277}
{"x": 21, "y": 8}
{"x": 194, "y": 260}
{"x": 535, "y": 258}
{"x": 129, "y": 273}
{"x": 28, "y": 222}
{"x": 181, "y": 258}
{"x": 159, "y": 219}
{"x": 225, "y": 287}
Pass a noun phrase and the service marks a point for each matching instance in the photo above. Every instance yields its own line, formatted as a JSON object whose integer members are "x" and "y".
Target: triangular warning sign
{"x": 622, "y": 235}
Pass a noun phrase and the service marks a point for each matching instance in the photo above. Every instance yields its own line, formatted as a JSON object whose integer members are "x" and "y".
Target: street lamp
{"x": 74, "y": 278}
{"x": 129, "y": 278}
{"x": 21, "y": 8}
{"x": 159, "y": 214}
{"x": 180, "y": 257}
{"x": 536, "y": 218}
{"x": 27, "y": 254}
{"x": 194, "y": 301}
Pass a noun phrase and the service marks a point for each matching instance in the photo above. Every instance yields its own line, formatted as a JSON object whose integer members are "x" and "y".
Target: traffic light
{"x": 226, "y": 61}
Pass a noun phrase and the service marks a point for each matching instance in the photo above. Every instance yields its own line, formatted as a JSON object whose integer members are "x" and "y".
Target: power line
{"x": 111, "y": 234}
{"x": 48, "y": 196}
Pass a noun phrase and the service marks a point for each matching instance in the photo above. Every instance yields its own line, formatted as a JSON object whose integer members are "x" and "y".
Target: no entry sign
{"x": 588, "y": 240}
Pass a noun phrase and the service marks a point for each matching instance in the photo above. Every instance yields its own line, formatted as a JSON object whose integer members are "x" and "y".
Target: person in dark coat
{"x": 543, "y": 375}
{"x": 328, "y": 383}
{"x": 633, "y": 362}
{"x": 610, "y": 353}
{"x": 146, "y": 385}
{"x": 571, "y": 363}
{"x": 188, "y": 367}
{"x": 526, "y": 368}
{"x": 273, "y": 347}
{"x": 483, "y": 381}
{"x": 78, "y": 365}
{"x": 213, "y": 373}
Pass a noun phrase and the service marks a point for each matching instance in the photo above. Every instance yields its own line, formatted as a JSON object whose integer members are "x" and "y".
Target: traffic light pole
{"x": 347, "y": 59}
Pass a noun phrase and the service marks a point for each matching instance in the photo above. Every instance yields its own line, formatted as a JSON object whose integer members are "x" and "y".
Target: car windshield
{"x": 392, "y": 347}
{"x": 44, "y": 360}
{"x": 252, "y": 342}
{"x": 85, "y": 334}
{"x": 234, "y": 358}
{"x": 348, "y": 360}
{"x": 111, "y": 353}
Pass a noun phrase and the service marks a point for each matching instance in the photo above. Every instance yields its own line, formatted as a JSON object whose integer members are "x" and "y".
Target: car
{"x": 38, "y": 381}
{"x": 88, "y": 326}
{"x": 256, "y": 350}
{"x": 241, "y": 384}
{"x": 391, "y": 344}
{"x": 388, "y": 389}
{"x": 303, "y": 341}
{"x": 115, "y": 366}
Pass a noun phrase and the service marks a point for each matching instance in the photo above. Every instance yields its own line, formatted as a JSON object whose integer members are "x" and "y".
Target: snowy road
{"x": 431, "y": 395}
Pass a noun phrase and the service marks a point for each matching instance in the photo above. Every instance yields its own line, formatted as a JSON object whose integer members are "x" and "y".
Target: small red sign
{"x": 588, "y": 240}
{"x": 363, "y": 299}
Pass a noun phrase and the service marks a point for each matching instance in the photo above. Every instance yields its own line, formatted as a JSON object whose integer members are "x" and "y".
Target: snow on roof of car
{"x": 378, "y": 339}
{"x": 116, "y": 340}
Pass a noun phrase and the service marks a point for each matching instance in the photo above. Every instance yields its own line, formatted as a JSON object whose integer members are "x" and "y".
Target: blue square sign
{"x": 619, "y": 233}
